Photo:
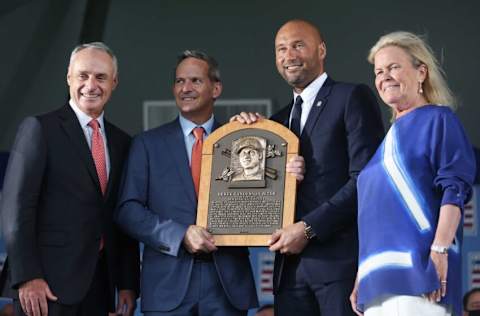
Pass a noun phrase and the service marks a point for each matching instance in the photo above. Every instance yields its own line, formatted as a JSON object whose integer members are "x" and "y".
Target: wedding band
{"x": 443, "y": 282}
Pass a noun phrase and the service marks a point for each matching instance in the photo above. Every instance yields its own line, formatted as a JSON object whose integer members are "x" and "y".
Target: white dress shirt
{"x": 187, "y": 128}
{"x": 84, "y": 119}
{"x": 308, "y": 96}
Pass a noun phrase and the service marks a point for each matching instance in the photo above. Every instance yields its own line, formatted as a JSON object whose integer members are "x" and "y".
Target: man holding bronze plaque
{"x": 183, "y": 272}
{"x": 340, "y": 127}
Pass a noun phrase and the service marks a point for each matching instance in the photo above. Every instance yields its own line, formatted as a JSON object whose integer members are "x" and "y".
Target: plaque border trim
{"x": 289, "y": 197}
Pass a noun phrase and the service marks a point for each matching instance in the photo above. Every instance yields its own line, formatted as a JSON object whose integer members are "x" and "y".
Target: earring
{"x": 420, "y": 88}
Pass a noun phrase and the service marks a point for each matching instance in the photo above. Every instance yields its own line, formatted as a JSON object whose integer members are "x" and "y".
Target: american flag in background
{"x": 474, "y": 269}
{"x": 470, "y": 217}
{"x": 265, "y": 276}
{"x": 3, "y": 254}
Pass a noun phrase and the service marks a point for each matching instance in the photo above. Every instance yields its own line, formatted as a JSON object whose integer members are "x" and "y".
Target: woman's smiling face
{"x": 397, "y": 80}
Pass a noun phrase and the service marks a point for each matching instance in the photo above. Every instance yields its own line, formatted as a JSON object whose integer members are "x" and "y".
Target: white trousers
{"x": 403, "y": 305}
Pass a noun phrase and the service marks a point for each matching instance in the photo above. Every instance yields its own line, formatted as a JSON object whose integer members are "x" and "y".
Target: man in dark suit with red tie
{"x": 65, "y": 255}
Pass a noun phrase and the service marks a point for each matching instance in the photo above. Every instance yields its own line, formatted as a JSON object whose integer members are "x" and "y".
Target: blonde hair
{"x": 435, "y": 87}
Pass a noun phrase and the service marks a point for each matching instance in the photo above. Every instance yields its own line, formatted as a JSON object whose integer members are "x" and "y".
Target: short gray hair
{"x": 213, "y": 71}
{"x": 100, "y": 46}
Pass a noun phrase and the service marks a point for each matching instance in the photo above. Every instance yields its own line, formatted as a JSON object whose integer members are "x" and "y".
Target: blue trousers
{"x": 299, "y": 295}
{"x": 205, "y": 295}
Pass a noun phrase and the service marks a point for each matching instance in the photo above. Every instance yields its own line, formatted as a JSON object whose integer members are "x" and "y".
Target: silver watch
{"x": 439, "y": 249}
{"x": 309, "y": 233}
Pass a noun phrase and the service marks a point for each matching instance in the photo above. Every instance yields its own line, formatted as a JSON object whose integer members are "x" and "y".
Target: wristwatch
{"x": 309, "y": 233}
{"x": 439, "y": 249}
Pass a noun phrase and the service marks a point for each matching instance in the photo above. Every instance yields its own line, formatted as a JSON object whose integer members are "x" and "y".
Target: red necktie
{"x": 98, "y": 154}
{"x": 196, "y": 163}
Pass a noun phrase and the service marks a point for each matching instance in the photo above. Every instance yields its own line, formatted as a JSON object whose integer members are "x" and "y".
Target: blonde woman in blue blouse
{"x": 412, "y": 192}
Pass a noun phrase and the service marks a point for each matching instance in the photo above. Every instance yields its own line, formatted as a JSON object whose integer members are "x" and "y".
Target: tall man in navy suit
{"x": 65, "y": 255}
{"x": 183, "y": 272}
{"x": 340, "y": 127}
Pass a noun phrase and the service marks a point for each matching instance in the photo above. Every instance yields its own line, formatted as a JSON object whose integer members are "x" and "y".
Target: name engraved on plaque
{"x": 245, "y": 213}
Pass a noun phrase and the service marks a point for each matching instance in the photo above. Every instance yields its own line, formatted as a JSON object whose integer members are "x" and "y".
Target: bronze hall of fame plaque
{"x": 245, "y": 192}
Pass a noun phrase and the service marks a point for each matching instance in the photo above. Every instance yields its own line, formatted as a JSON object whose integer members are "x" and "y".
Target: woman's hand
{"x": 448, "y": 221}
{"x": 353, "y": 299}
{"x": 440, "y": 261}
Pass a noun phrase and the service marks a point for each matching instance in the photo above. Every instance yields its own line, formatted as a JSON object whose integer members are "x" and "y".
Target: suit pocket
{"x": 52, "y": 238}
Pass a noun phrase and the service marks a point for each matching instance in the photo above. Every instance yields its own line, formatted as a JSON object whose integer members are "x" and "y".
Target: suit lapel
{"x": 215, "y": 125}
{"x": 179, "y": 154}
{"x": 176, "y": 144}
{"x": 74, "y": 131}
{"x": 114, "y": 155}
{"x": 286, "y": 118}
{"x": 318, "y": 105}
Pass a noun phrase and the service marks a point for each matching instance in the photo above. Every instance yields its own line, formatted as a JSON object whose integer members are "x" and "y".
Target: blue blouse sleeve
{"x": 453, "y": 159}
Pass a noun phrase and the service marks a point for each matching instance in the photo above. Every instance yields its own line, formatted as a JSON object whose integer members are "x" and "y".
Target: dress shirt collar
{"x": 83, "y": 118}
{"x": 310, "y": 92}
{"x": 187, "y": 126}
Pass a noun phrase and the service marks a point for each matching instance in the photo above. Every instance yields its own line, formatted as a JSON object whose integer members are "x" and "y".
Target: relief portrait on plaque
{"x": 248, "y": 159}
{"x": 245, "y": 192}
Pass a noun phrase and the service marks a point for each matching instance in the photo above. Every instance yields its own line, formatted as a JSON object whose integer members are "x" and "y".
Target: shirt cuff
{"x": 452, "y": 195}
